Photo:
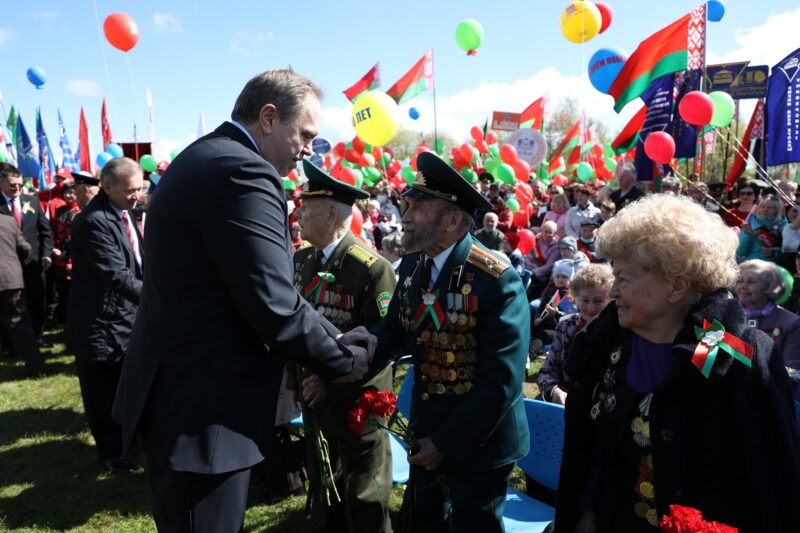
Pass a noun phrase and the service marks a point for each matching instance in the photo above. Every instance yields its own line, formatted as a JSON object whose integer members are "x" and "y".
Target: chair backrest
{"x": 546, "y": 424}
{"x": 404, "y": 396}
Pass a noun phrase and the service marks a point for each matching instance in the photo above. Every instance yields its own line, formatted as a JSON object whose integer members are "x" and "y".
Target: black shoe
{"x": 118, "y": 465}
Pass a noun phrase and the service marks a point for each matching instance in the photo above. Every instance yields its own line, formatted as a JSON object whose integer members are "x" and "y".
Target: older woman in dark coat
{"x": 675, "y": 400}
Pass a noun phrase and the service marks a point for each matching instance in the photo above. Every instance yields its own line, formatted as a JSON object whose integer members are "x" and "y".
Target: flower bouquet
{"x": 688, "y": 520}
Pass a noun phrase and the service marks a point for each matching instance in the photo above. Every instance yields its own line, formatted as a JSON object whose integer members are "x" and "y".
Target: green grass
{"x": 50, "y": 478}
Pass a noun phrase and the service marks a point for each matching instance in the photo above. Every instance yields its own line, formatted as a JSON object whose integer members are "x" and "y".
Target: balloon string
{"x": 135, "y": 93}
{"x": 105, "y": 62}
{"x": 708, "y": 196}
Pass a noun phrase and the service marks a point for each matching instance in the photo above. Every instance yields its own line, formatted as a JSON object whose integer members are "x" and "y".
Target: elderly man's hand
{"x": 360, "y": 365}
{"x": 429, "y": 457}
{"x": 313, "y": 390}
{"x": 360, "y": 335}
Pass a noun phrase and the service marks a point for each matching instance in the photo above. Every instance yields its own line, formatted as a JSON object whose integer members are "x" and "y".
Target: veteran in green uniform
{"x": 461, "y": 311}
{"x": 352, "y": 286}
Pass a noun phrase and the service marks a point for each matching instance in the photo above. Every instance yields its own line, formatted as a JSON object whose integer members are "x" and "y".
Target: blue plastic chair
{"x": 543, "y": 463}
{"x": 400, "y": 466}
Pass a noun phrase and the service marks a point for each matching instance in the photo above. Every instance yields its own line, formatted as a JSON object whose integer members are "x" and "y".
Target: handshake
{"x": 362, "y": 344}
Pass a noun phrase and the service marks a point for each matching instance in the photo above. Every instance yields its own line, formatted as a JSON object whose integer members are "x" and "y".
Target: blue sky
{"x": 196, "y": 56}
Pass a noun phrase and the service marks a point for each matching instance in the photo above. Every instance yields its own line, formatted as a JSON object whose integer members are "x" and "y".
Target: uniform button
{"x": 667, "y": 435}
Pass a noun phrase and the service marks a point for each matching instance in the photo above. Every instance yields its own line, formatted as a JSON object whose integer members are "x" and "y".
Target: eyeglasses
{"x": 746, "y": 193}
{"x": 14, "y": 185}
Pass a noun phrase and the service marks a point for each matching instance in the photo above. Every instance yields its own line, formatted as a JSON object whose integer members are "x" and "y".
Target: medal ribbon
{"x": 433, "y": 309}
{"x": 315, "y": 291}
{"x": 713, "y": 337}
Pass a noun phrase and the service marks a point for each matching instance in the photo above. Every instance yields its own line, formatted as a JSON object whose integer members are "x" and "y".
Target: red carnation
{"x": 368, "y": 398}
{"x": 683, "y": 519}
{"x": 716, "y": 527}
{"x": 385, "y": 404}
{"x": 356, "y": 419}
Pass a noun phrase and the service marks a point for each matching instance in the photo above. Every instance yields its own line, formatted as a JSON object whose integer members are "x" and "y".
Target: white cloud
{"x": 166, "y": 22}
{"x": 5, "y": 36}
{"x": 250, "y": 44}
{"x": 163, "y": 147}
{"x": 765, "y": 44}
{"x": 84, "y": 87}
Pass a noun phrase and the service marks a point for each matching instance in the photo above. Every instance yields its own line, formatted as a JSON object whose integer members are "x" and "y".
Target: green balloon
{"x": 613, "y": 184}
{"x": 469, "y": 174}
{"x": 512, "y": 204}
{"x": 788, "y": 280}
{"x": 505, "y": 173}
{"x": 386, "y": 158}
{"x": 359, "y": 177}
{"x": 469, "y": 35}
{"x": 491, "y": 165}
{"x": 367, "y": 148}
{"x": 173, "y": 154}
{"x": 494, "y": 150}
{"x": 371, "y": 174}
{"x": 370, "y": 158}
{"x": 408, "y": 174}
{"x": 348, "y": 146}
{"x": 2, "y": 157}
{"x": 346, "y": 163}
{"x": 585, "y": 171}
{"x": 611, "y": 164}
{"x": 148, "y": 163}
{"x": 289, "y": 185}
{"x": 724, "y": 108}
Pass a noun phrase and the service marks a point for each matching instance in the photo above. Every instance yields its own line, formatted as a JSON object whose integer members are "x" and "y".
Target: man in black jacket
{"x": 219, "y": 314}
{"x": 107, "y": 266}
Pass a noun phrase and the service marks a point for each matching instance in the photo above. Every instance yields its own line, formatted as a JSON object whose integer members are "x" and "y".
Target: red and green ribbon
{"x": 713, "y": 338}
{"x": 315, "y": 291}
{"x": 430, "y": 306}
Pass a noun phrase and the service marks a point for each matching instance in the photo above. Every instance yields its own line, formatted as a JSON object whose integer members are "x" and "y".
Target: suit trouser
{"x": 34, "y": 293}
{"x": 186, "y": 502}
{"x": 17, "y": 324}
{"x": 99, "y": 380}
{"x": 476, "y": 500}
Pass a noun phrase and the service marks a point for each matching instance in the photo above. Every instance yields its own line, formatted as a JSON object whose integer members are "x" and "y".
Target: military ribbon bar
{"x": 713, "y": 337}
{"x": 315, "y": 291}
{"x": 430, "y": 306}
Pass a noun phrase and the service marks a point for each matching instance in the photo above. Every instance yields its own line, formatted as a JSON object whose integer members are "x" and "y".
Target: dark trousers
{"x": 186, "y": 502}
{"x": 476, "y": 500}
{"x": 17, "y": 325}
{"x": 34, "y": 293}
{"x": 50, "y": 296}
{"x": 99, "y": 380}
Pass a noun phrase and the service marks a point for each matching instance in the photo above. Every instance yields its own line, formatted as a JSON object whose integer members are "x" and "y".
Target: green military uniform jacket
{"x": 357, "y": 294}
{"x": 469, "y": 341}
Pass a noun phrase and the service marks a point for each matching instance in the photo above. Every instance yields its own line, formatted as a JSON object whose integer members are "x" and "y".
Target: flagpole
{"x": 435, "y": 126}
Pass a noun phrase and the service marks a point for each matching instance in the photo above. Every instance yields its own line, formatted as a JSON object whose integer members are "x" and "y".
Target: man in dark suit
{"x": 219, "y": 314}
{"x": 13, "y": 312}
{"x": 107, "y": 266}
{"x": 36, "y": 229}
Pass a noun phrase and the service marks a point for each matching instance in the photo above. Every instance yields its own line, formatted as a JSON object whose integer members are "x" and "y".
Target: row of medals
{"x": 331, "y": 306}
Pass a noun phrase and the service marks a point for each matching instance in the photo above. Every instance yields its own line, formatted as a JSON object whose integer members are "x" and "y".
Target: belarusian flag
{"x": 557, "y": 165}
{"x": 533, "y": 116}
{"x": 571, "y": 139}
{"x": 371, "y": 80}
{"x": 679, "y": 46}
{"x": 415, "y": 81}
{"x": 629, "y": 135}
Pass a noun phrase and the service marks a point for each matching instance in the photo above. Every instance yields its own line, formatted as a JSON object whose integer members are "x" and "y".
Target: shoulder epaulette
{"x": 486, "y": 261}
{"x": 304, "y": 248}
{"x": 362, "y": 255}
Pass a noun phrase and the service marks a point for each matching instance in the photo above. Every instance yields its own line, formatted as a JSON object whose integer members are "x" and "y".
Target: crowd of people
{"x": 664, "y": 314}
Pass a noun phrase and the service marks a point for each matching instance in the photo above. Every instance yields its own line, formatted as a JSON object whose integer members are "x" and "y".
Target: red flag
{"x": 629, "y": 135}
{"x": 370, "y": 80}
{"x": 740, "y": 160}
{"x": 105, "y": 127}
{"x": 572, "y": 137}
{"x": 574, "y": 156}
{"x": 533, "y": 116}
{"x": 86, "y": 152}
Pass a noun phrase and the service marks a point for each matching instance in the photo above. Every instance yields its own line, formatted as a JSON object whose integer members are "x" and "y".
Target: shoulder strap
{"x": 362, "y": 255}
{"x": 486, "y": 261}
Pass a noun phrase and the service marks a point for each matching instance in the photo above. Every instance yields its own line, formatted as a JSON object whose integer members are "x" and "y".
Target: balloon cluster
{"x": 582, "y": 20}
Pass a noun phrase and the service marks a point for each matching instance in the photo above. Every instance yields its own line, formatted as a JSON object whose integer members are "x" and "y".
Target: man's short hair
{"x": 393, "y": 243}
{"x": 283, "y": 88}
{"x": 117, "y": 168}
{"x": 7, "y": 170}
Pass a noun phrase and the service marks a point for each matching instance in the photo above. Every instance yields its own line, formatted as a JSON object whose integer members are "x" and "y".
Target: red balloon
{"x": 508, "y": 154}
{"x": 352, "y": 155}
{"x": 293, "y": 175}
{"x": 339, "y": 149}
{"x": 660, "y": 147}
{"x": 466, "y": 152}
{"x": 521, "y": 218}
{"x": 522, "y": 170}
{"x": 606, "y": 15}
{"x": 389, "y": 151}
{"x": 347, "y": 175}
{"x": 491, "y": 138}
{"x": 358, "y": 145}
{"x": 527, "y": 240}
{"x": 476, "y": 133}
{"x": 482, "y": 147}
{"x": 523, "y": 192}
{"x": 560, "y": 179}
{"x": 414, "y": 163}
{"x": 377, "y": 152}
{"x": 358, "y": 220}
{"x": 121, "y": 31}
{"x": 696, "y": 108}
{"x": 363, "y": 161}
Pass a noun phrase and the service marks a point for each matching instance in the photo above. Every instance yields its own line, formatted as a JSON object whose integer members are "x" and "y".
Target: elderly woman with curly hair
{"x": 758, "y": 288}
{"x": 762, "y": 235}
{"x": 674, "y": 399}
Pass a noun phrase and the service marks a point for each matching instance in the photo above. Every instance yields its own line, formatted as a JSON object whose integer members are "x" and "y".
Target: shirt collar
{"x": 8, "y": 199}
{"x": 116, "y": 209}
{"x": 441, "y": 259}
{"x": 238, "y": 125}
{"x": 327, "y": 252}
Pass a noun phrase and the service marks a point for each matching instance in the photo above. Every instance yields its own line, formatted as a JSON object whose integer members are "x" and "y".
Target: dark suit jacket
{"x": 106, "y": 283}
{"x": 13, "y": 248}
{"x": 35, "y": 227}
{"x": 219, "y": 314}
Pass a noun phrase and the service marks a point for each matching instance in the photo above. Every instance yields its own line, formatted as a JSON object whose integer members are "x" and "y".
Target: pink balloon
{"x": 606, "y": 15}
{"x": 696, "y": 108}
{"x": 660, "y": 147}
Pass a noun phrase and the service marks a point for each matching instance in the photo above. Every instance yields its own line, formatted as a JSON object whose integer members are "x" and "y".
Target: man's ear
{"x": 266, "y": 117}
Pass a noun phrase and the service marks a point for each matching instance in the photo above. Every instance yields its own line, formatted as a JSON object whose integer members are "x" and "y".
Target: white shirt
{"x": 248, "y": 135}
{"x": 327, "y": 252}
{"x": 130, "y": 225}
{"x": 10, "y": 201}
{"x": 438, "y": 264}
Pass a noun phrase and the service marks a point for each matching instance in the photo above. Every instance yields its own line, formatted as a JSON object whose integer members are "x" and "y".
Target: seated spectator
{"x": 671, "y": 185}
{"x": 489, "y": 235}
{"x": 568, "y": 248}
{"x": 697, "y": 190}
{"x": 587, "y": 240}
{"x": 392, "y": 249}
{"x": 542, "y": 257}
{"x": 554, "y": 303}
{"x": 559, "y": 205}
{"x": 607, "y": 210}
{"x": 759, "y": 286}
{"x": 582, "y": 211}
{"x": 504, "y": 215}
{"x": 627, "y": 192}
{"x": 589, "y": 289}
{"x": 791, "y": 238}
{"x": 738, "y": 214}
{"x": 762, "y": 236}
{"x": 789, "y": 188}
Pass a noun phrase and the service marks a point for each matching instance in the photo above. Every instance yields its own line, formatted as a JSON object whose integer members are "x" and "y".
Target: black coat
{"x": 219, "y": 314}
{"x": 727, "y": 445}
{"x": 106, "y": 283}
{"x": 35, "y": 227}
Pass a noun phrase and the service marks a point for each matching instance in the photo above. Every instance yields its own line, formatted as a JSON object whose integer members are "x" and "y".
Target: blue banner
{"x": 658, "y": 99}
{"x": 69, "y": 161}
{"x": 782, "y": 114}
{"x": 27, "y": 155}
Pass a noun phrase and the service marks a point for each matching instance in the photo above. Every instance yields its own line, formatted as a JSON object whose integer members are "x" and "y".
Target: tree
{"x": 405, "y": 142}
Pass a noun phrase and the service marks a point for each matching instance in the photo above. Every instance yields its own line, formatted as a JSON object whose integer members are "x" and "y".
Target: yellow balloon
{"x": 376, "y": 118}
{"x": 580, "y": 21}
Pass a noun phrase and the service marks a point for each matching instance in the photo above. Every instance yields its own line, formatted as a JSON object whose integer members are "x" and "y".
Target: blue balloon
{"x": 604, "y": 67}
{"x": 413, "y": 113}
{"x": 103, "y": 158}
{"x": 716, "y": 10}
{"x": 37, "y": 76}
{"x": 114, "y": 150}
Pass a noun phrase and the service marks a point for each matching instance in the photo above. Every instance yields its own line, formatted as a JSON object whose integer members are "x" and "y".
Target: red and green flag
{"x": 679, "y": 46}
{"x": 418, "y": 79}
{"x": 571, "y": 139}
{"x": 533, "y": 116}
{"x": 371, "y": 80}
{"x": 629, "y": 135}
{"x": 557, "y": 166}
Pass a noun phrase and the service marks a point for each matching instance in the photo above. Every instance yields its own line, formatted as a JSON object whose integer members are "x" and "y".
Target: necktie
{"x": 128, "y": 231}
{"x": 319, "y": 258}
{"x": 15, "y": 212}
{"x": 426, "y": 274}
